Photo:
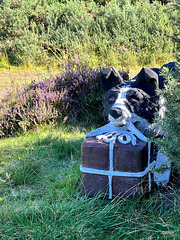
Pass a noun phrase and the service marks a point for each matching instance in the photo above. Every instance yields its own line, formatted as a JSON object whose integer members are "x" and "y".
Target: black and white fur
{"x": 136, "y": 100}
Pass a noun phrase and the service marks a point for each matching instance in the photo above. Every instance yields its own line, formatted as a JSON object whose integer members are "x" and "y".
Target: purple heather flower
{"x": 27, "y": 111}
{"x": 49, "y": 98}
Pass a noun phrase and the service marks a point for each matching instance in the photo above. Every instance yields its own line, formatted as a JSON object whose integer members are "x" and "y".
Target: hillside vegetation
{"x": 119, "y": 33}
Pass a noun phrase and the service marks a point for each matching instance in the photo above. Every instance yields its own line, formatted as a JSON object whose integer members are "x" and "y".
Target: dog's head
{"x": 124, "y": 100}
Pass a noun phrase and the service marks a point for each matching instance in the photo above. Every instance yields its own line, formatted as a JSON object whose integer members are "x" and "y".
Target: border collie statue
{"x": 130, "y": 108}
{"x": 137, "y": 101}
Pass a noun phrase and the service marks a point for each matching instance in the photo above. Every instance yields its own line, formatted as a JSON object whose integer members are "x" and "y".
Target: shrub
{"x": 128, "y": 32}
{"x": 19, "y": 21}
{"x": 75, "y": 94}
{"x": 171, "y": 122}
{"x": 82, "y": 91}
{"x": 174, "y": 11}
{"x": 21, "y": 109}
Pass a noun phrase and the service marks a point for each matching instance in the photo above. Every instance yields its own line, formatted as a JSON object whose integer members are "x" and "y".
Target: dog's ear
{"x": 109, "y": 78}
{"x": 147, "y": 80}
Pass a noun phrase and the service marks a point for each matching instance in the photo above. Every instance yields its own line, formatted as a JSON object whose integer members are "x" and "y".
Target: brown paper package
{"x": 126, "y": 158}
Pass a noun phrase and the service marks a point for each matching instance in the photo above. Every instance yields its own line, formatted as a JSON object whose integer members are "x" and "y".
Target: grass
{"x": 40, "y": 194}
{"x": 21, "y": 76}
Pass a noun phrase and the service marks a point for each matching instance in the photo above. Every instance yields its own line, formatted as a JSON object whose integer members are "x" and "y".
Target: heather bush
{"x": 82, "y": 90}
{"x": 21, "y": 109}
{"x": 74, "y": 95}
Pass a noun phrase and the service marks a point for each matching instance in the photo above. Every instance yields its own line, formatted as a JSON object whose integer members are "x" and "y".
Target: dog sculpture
{"x": 137, "y": 101}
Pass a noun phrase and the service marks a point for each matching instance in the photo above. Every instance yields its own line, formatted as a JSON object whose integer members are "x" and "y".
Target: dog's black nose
{"x": 115, "y": 112}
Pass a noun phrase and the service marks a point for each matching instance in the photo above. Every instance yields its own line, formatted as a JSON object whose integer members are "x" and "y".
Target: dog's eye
{"x": 112, "y": 99}
{"x": 133, "y": 100}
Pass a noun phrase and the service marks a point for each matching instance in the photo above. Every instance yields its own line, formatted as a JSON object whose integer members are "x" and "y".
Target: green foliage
{"x": 19, "y": 21}
{"x": 127, "y": 32}
{"x": 171, "y": 121}
{"x": 174, "y": 11}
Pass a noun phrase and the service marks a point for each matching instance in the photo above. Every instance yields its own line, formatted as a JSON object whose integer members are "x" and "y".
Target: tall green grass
{"x": 40, "y": 195}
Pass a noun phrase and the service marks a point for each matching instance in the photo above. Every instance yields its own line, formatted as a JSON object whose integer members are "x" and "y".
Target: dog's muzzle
{"x": 119, "y": 116}
{"x": 115, "y": 112}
